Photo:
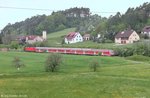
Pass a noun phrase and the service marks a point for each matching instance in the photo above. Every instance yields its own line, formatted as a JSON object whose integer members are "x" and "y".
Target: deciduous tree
{"x": 53, "y": 62}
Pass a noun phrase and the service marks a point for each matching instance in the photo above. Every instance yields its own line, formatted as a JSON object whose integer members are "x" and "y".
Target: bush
{"x": 124, "y": 52}
{"x": 17, "y": 63}
{"x": 140, "y": 48}
{"x": 94, "y": 65}
{"x": 53, "y": 61}
{"x": 100, "y": 54}
{"x": 14, "y": 45}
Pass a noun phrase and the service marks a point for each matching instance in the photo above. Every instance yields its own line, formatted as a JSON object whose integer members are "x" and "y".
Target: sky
{"x": 9, "y": 15}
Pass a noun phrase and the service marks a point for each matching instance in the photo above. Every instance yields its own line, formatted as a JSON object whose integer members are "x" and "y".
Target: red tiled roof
{"x": 71, "y": 35}
{"x": 146, "y": 29}
{"x": 31, "y": 37}
{"x": 124, "y": 34}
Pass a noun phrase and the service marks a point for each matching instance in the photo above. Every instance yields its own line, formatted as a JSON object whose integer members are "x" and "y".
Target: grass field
{"x": 91, "y": 44}
{"x": 115, "y": 78}
{"x": 55, "y": 38}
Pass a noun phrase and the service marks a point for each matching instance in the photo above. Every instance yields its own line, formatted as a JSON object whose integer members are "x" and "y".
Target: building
{"x": 44, "y": 35}
{"x": 73, "y": 37}
{"x": 86, "y": 37}
{"x": 33, "y": 38}
{"x": 127, "y": 36}
{"x": 146, "y": 31}
{"x": 30, "y": 39}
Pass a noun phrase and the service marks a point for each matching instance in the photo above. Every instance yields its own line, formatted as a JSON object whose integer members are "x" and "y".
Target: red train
{"x": 79, "y": 51}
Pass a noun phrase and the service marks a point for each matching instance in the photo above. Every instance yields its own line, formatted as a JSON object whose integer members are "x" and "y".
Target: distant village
{"x": 124, "y": 37}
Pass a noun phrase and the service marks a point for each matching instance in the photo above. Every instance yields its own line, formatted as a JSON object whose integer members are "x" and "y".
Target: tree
{"x": 94, "y": 65}
{"x": 7, "y": 39}
{"x": 14, "y": 45}
{"x": 53, "y": 61}
{"x": 0, "y": 38}
{"x": 63, "y": 42}
{"x": 17, "y": 63}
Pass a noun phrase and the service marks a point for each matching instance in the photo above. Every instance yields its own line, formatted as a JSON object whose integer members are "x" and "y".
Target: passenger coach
{"x": 79, "y": 51}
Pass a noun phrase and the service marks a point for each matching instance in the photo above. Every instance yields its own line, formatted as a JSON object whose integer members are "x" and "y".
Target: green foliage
{"x": 51, "y": 23}
{"x": 0, "y": 38}
{"x": 140, "y": 48}
{"x": 63, "y": 42}
{"x": 124, "y": 52}
{"x": 61, "y": 27}
{"x": 17, "y": 63}
{"x": 100, "y": 54}
{"x": 94, "y": 65}
{"x": 53, "y": 61}
{"x": 14, "y": 45}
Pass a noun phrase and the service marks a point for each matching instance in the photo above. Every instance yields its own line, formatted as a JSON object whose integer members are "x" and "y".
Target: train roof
{"x": 74, "y": 48}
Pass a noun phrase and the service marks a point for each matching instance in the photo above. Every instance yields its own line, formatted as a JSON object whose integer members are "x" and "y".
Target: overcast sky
{"x": 8, "y": 15}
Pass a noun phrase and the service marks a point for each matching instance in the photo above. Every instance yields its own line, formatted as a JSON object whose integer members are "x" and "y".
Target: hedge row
{"x": 142, "y": 48}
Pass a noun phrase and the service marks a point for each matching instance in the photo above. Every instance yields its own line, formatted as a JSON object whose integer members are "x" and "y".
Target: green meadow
{"x": 116, "y": 77}
{"x": 55, "y": 38}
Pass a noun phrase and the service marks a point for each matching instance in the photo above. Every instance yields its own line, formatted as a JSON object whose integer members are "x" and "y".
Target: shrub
{"x": 14, "y": 45}
{"x": 94, "y": 65}
{"x": 140, "y": 48}
{"x": 53, "y": 61}
{"x": 100, "y": 53}
{"x": 17, "y": 63}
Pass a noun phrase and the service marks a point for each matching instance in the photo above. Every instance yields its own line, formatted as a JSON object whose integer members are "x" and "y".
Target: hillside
{"x": 55, "y": 38}
{"x": 55, "y": 22}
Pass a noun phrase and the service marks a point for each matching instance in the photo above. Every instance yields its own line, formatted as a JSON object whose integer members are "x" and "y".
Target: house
{"x": 127, "y": 36}
{"x": 33, "y": 38}
{"x": 86, "y": 37}
{"x": 73, "y": 37}
{"x": 30, "y": 39}
{"x": 146, "y": 31}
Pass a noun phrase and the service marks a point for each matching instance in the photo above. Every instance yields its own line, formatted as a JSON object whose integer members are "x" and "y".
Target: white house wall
{"x": 77, "y": 38}
{"x": 118, "y": 40}
{"x": 134, "y": 37}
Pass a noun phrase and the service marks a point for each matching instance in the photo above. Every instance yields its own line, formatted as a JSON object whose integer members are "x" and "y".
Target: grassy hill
{"x": 55, "y": 38}
{"x": 115, "y": 78}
